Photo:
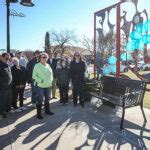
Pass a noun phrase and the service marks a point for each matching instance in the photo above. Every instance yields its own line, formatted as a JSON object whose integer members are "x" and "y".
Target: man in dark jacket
{"x": 54, "y": 65}
{"x": 77, "y": 69}
{"x": 49, "y": 61}
{"x": 29, "y": 68}
{"x": 5, "y": 85}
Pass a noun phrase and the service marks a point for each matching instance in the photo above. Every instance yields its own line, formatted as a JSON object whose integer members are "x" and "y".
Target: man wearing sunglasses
{"x": 5, "y": 85}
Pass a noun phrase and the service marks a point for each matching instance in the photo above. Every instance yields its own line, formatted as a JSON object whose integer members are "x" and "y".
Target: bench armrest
{"x": 130, "y": 93}
{"x": 128, "y": 96}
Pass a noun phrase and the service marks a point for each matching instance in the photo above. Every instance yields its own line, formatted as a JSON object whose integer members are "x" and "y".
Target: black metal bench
{"x": 121, "y": 92}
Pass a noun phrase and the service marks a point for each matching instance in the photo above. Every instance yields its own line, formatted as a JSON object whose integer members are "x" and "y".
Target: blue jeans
{"x": 34, "y": 96}
{"x": 43, "y": 93}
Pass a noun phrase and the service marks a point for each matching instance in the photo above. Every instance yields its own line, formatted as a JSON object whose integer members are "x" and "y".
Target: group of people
{"x": 12, "y": 84}
{"x": 43, "y": 72}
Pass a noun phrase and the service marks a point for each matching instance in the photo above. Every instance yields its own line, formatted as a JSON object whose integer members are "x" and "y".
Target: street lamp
{"x": 27, "y": 3}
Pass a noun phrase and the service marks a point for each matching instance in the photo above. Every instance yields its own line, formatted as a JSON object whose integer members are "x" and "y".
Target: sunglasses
{"x": 44, "y": 57}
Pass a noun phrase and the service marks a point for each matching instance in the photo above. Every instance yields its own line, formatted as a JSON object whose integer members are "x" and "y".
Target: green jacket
{"x": 43, "y": 76}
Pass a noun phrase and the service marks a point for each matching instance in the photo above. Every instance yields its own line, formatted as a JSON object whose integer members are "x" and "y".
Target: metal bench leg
{"x": 143, "y": 113}
{"x": 122, "y": 119}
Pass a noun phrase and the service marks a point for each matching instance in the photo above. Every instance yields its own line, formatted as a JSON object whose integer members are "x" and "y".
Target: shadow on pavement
{"x": 72, "y": 128}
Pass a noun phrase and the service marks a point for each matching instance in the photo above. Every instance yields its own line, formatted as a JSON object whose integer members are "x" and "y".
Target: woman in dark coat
{"x": 77, "y": 70}
{"x": 18, "y": 84}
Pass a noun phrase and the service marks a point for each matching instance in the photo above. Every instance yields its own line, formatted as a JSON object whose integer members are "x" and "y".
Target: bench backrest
{"x": 122, "y": 86}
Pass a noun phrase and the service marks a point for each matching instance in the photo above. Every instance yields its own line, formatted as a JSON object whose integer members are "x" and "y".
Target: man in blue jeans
{"x": 29, "y": 68}
{"x": 5, "y": 85}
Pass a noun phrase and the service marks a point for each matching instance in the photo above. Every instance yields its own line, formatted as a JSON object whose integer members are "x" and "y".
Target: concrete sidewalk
{"x": 73, "y": 128}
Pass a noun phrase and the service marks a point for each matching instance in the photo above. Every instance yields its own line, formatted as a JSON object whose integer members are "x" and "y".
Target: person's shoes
{"x": 39, "y": 117}
{"x": 18, "y": 110}
{"x": 49, "y": 113}
{"x": 16, "y": 107}
{"x": 23, "y": 108}
{"x": 47, "y": 110}
{"x": 39, "y": 108}
{"x": 12, "y": 111}
{"x": 75, "y": 104}
{"x": 54, "y": 97}
{"x": 34, "y": 105}
{"x": 24, "y": 98}
{"x": 82, "y": 104}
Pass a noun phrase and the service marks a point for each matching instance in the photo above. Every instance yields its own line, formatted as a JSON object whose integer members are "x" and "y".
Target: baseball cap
{"x": 36, "y": 52}
{"x": 18, "y": 52}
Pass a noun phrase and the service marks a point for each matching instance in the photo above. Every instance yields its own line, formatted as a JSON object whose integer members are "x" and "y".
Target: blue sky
{"x": 29, "y": 32}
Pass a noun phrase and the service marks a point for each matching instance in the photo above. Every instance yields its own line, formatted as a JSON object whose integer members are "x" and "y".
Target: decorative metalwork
{"x": 126, "y": 26}
{"x": 14, "y": 13}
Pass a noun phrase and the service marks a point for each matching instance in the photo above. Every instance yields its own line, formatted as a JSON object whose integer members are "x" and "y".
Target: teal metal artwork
{"x": 106, "y": 70}
{"x": 147, "y": 26}
{"x": 112, "y": 60}
{"x": 139, "y": 37}
{"x": 125, "y": 56}
{"x": 130, "y": 46}
{"x": 139, "y": 45}
{"x": 113, "y": 68}
{"x": 135, "y": 35}
{"x": 146, "y": 38}
{"x": 139, "y": 28}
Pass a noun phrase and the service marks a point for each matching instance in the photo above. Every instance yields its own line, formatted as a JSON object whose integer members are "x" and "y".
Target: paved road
{"x": 72, "y": 128}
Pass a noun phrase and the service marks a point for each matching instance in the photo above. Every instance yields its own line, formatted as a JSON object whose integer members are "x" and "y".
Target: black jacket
{"x": 77, "y": 70}
{"x": 5, "y": 76}
{"x": 29, "y": 69}
{"x": 63, "y": 76}
{"x": 50, "y": 63}
{"x": 54, "y": 65}
{"x": 18, "y": 76}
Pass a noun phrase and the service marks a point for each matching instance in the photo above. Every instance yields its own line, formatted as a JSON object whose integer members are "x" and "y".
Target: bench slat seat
{"x": 115, "y": 99}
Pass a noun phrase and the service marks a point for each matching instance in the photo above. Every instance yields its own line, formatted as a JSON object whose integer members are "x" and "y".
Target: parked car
{"x": 146, "y": 66}
{"x": 140, "y": 66}
{"x": 123, "y": 68}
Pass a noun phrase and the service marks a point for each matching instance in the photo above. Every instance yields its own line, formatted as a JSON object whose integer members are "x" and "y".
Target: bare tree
{"x": 88, "y": 44}
{"x": 105, "y": 44}
{"x": 63, "y": 38}
{"x": 109, "y": 43}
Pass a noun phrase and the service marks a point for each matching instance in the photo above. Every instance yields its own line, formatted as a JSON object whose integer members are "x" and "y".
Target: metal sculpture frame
{"x": 125, "y": 28}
